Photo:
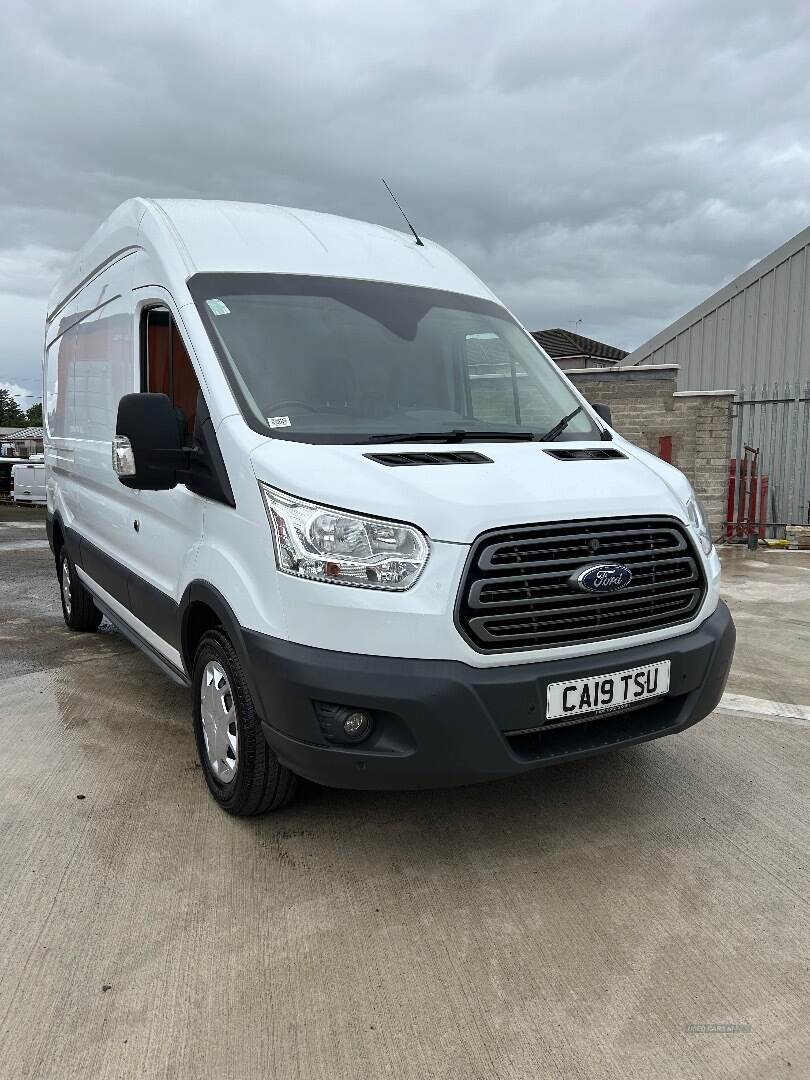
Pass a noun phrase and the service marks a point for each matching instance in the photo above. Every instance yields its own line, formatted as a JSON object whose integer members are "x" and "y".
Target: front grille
{"x": 518, "y": 591}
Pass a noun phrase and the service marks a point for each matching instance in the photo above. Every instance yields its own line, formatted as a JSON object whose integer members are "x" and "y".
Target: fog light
{"x": 356, "y": 725}
{"x": 343, "y": 723}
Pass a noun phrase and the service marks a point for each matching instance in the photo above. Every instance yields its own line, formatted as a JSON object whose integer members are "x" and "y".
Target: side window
{"x": 88, "y": 370}
{"x": 166, "y": 367}
{"x": 60, "y": 356}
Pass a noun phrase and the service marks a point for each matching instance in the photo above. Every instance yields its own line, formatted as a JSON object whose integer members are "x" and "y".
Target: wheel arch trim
{"x": 203, "y": 592}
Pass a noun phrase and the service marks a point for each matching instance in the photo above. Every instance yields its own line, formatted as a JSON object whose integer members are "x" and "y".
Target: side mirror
{"x": 603, "y": 412}
{"x": 147, "y": 449}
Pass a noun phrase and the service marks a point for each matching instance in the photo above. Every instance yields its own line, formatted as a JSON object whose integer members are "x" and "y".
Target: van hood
{"x": 523, "y": 484}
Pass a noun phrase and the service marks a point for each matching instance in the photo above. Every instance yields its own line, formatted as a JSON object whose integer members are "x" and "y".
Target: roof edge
{"x": 720, "y": 297}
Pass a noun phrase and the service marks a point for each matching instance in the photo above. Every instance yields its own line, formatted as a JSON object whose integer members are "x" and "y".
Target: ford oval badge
{"x": 603, "y": 578}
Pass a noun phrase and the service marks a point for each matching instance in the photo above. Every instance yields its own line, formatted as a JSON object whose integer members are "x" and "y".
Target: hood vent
{"x": 442, "y": 457}
{"x": 595, "y": 453}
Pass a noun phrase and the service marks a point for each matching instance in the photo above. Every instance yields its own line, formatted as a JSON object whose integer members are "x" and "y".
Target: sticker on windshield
{"x": 217, "y": 307}
{"x": 278, "y": 421}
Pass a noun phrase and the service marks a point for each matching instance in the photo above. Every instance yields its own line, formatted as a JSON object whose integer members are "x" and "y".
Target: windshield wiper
{"x": 560, "y": 426}
{"x": 455, "y": 435}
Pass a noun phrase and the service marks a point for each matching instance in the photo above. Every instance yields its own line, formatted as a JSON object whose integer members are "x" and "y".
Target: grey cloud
{"x": 599, "y": 161}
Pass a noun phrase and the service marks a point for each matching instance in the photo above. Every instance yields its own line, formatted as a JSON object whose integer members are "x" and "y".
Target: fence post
{"x": 774, "y": 486}
{"x": 804, "y": 494}
{"x": 738, "y": 481}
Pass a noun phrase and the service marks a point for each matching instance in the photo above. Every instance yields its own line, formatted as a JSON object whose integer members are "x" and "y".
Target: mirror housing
{"x": 148, "y": 449}
{"x": 603, "y": 412}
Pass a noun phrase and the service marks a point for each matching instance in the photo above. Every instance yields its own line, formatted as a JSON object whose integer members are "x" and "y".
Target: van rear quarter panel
{"x": 88, "y": 370}
{"x": 92, "y": 360}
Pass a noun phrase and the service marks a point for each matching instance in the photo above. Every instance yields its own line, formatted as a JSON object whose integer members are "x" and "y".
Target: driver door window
{"x": 166, "y": 366}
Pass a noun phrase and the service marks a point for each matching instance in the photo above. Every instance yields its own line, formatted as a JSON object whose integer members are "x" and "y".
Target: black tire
{"x": 78, "y": 609}
{"x": 260, "y": 783}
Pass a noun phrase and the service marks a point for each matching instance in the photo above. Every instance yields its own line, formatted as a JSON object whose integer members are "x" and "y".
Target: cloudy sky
{"x": 609, "y": 162}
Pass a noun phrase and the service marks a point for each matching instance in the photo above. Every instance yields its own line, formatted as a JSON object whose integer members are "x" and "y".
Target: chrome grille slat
{"x": 518, "y": 593}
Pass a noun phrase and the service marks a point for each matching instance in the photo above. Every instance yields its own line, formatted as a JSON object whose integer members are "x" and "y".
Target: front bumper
{"x": 442, "y": 723}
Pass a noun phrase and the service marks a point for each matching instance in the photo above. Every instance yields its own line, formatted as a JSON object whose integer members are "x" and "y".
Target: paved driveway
{"x": 586, "y": 921}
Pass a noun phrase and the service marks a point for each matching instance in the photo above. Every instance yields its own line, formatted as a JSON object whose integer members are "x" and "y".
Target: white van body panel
{"x": 145, "y": 253}
{"x": 123, "y": 615}
{"x": 415, "y": 623}
{"x": 236, "y": 553}
{"x": 249, "y": 238}
{"x": 174, "y": 239}
{"x": 93, "y": 347}
{"x": 522, "y": 485}
{"x": 188, "y": 236}
{"x": 157, "y": 532}
{"x": 168, "y": 566}
{"x": 452, "y": 510}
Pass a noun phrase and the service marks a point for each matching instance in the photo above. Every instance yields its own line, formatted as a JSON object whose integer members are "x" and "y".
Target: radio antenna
{"x": 393, "y": 196}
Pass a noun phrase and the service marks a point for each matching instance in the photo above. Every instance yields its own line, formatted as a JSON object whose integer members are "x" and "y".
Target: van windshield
{"x": 337, "y": 360}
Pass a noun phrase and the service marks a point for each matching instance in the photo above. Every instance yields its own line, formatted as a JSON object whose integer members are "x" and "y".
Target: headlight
{"x": 322, "y": 544}
{"x": 699, "y": 520}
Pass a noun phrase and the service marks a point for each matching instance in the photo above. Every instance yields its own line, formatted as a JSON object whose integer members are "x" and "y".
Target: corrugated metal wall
{"x": 753, "y": 337}
{"x": 756, "y": 330}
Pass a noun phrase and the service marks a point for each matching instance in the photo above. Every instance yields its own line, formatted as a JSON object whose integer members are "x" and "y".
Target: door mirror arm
{"x": 189, "y": 465}
{"x": 185, "y": 461}
{"x": 148, "y": 452}
{"x": 192, "y": 466}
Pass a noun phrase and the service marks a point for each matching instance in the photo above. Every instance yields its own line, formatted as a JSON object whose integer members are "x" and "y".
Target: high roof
{"x": 560, "y": 344}
{"x": 188, "y": 236}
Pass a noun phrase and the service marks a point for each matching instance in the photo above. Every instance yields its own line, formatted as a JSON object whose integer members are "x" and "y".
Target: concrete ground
{"x": 590, "y": 920}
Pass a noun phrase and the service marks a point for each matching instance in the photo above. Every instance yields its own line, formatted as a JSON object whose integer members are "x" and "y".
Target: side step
{"x": 179, "y": 678}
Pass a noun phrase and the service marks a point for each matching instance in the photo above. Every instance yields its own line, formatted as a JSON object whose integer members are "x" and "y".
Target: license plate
{"x": 615, "y": 690}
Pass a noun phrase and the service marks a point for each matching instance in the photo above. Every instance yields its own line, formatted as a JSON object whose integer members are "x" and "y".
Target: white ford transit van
{"x": 319, "y": 474}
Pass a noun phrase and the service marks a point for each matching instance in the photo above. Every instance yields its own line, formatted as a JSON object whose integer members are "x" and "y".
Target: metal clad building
{"x": 756, "y": 329}
{"x": 753, "y": 337}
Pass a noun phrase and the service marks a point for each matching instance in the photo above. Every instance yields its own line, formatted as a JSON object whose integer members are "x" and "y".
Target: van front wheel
{"x": 242, "y": 772}
{"x": 78, "y": 609}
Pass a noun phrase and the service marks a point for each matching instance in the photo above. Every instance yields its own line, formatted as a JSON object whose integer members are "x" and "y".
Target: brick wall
{"x": 646, "y": 408}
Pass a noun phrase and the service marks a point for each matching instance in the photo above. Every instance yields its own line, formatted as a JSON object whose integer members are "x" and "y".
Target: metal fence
{"x": 769, "y": 480}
